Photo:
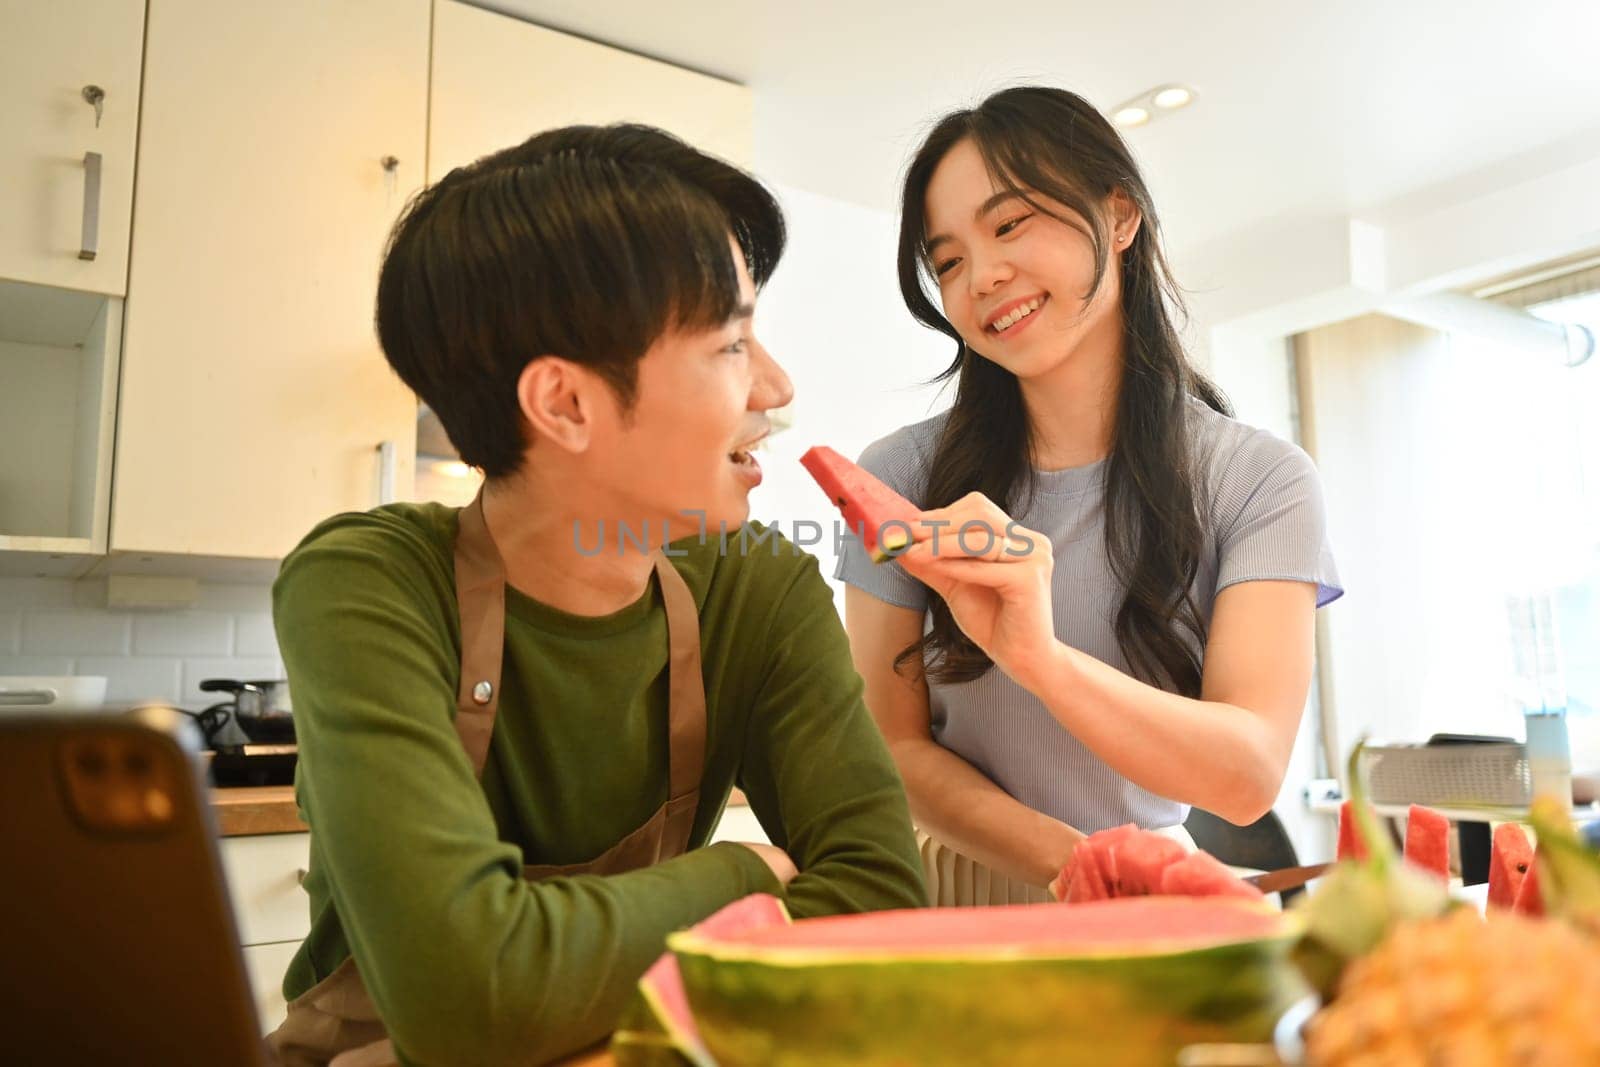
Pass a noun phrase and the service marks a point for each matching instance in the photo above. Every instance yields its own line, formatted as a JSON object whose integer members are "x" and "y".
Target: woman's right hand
{"x": 776, "y": 859}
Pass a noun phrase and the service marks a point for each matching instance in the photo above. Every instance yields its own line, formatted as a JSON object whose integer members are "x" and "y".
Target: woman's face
{"x": 1013, "y": 280}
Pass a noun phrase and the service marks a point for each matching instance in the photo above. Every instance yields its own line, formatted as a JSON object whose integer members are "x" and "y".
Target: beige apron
{"x": 335, "y": 1021}
{"x": 958, "y": 881}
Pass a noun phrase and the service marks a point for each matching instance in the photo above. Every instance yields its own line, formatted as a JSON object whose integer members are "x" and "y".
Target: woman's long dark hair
{"x": 1052, "y": 147}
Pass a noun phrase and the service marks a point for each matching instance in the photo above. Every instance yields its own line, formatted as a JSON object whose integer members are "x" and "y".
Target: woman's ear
{"x": 1125, "y": 219}
{"x": 554, "y": 397}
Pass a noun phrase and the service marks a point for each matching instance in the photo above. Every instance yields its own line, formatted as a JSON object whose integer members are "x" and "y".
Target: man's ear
{"x": 555, "y": 396}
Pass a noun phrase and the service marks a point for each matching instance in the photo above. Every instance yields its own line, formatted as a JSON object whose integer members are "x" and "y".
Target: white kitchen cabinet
{"x": 68, "y": 186}
{"x": 498, "y": 80}
{"x": 277, "y": 145}
{"x": 270, "y": 909}
{"x": 58, "y": 166}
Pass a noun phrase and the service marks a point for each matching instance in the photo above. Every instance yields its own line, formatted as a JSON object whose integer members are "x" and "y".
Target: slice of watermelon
{"x": 1510, "y": 860}
{"x": 1428, "y": 841}
{"x": 1200, "y": 874}
{"x": 1350, "y": 844}
{"x": 881, "y": 517}
{"x": 1142, "y": 859}
{"x": 1530, "y": 899}
{"x": 662, "y": 1022}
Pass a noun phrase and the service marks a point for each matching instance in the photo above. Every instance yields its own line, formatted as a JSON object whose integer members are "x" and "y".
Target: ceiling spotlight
{"x": 1173, "y": 97}
{"x": 1152, "y": 104}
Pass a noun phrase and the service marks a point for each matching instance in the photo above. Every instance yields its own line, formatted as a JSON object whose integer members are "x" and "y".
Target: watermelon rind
{"x": 1132, "y": 1004}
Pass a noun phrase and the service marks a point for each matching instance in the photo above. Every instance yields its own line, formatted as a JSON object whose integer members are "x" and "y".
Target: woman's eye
{"x": 1011, "y": 224}
{"x": 737, "y": 348}
{"x": 940, "y": 269}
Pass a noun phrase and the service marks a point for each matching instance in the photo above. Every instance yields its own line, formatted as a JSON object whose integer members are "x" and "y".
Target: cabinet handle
{"x": 386, "y": 465}
{"x": 91, "y": 206}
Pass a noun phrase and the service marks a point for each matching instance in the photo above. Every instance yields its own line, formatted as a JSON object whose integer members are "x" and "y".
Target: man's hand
{"x": 776, "y": 859}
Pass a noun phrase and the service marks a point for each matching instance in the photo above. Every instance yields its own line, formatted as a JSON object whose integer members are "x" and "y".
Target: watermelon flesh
{"x": 1351, "y": 847}
{"x": 1428, "y": 841}
{"x": 1128, "y": 981}
{"x": 1510, "y": 860}
{"x": 1200, "y": 874}
{"x": 1530, "y": 899}
{"x": 1126, "y": 861}
{"x": 882, "y": 518}
{"x": 661, "y": 1028}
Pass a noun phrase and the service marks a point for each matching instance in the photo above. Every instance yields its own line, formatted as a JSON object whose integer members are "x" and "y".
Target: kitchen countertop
{"x": 242, "y": 811}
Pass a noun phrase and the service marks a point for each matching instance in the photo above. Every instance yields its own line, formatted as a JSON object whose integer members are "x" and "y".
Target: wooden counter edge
{"x": 270, "y": 809}
{"x": 243, "y": 811}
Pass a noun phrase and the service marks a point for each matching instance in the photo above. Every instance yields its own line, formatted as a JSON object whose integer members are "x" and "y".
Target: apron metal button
{"x": 482, "y": 692}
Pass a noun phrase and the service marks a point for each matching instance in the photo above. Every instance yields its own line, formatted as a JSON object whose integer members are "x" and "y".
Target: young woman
{"x": 1141, "y": 641}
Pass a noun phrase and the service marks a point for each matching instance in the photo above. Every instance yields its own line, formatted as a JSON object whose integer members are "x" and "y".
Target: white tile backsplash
{"x": 253, "y": 636}
{"x": 57, "y": 626}
{"x": 137, "y": 677}
{"x": 74, "y": 633}
{"x": 183, "y": 633}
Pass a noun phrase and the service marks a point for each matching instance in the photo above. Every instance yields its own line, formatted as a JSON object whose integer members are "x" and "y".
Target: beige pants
{"x": 957, "y": 881}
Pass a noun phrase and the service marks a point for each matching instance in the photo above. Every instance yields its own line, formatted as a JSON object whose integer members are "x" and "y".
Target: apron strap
{"x": 686, "y": 683}
{"x": 481, "y": 601}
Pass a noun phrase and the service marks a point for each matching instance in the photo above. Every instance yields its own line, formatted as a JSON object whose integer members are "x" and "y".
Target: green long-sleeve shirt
{"x": 416, "y": 865}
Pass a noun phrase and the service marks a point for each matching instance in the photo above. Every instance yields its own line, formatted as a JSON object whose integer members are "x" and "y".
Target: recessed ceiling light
{"x": 1173, "y": 97}
{"x": 1152, "y": 104}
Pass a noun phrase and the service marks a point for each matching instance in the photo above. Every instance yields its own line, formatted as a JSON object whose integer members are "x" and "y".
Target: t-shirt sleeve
{"x": 1271, "y": 522}
{"x": 895, "y": 461}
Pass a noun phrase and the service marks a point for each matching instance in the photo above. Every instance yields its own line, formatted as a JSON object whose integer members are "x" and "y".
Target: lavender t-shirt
{"x": 1261, "y": 504}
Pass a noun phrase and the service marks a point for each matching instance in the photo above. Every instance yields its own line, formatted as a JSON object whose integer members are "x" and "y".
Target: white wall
{"x": 833, "y": 317}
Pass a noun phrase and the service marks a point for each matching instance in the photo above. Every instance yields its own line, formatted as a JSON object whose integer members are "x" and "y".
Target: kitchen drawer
{"x": 264, "y": 882}
{"x": 265, "y": 965}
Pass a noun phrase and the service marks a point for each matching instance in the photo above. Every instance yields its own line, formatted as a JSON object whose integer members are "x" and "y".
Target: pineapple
{"x": 1462, "y": 990}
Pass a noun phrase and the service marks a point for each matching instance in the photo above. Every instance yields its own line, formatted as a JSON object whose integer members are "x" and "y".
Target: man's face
{"x": 699, "y": 410}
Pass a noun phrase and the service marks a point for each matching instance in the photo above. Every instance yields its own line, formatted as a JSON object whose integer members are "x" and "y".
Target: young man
{"x": 532, "y": 679}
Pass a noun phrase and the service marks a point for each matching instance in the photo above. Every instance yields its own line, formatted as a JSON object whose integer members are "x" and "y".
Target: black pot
{"x": 258, "y": 714}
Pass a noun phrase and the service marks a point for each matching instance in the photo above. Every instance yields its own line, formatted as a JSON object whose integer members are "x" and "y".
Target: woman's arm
{"x": 1226, "y": 752}
{"x": 950, "y": 799}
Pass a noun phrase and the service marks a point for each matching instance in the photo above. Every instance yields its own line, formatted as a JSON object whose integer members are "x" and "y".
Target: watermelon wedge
{"x": 1510, "y": 859}
{"x": 1530, "y": 899}
{"x": 1351, "y": 847}
{"x": 1200, "y": 874}
{"x": 882, "y": 518}
{"x": 1126, "y": 861}
{"x": 1428, "y": 841}
{"x": 659, "y": 1029}
{"x": 1127, "y": 982}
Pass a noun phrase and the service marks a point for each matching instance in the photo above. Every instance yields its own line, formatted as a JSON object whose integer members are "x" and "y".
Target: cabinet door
{"x": 254, "y": 395}
{"x": 53, "y": 51}
{"x": 498, "y": 80}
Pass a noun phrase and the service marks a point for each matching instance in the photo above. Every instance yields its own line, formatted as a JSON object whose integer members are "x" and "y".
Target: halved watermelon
{"x": 1428, "y": 841}
{"x": 1510, "y": 859}
{"x": 1351, "y": 847}
{"x": 1127, "y": 982}
{"x": 660, "y": 1029}
{"x": 881, "y": 517}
